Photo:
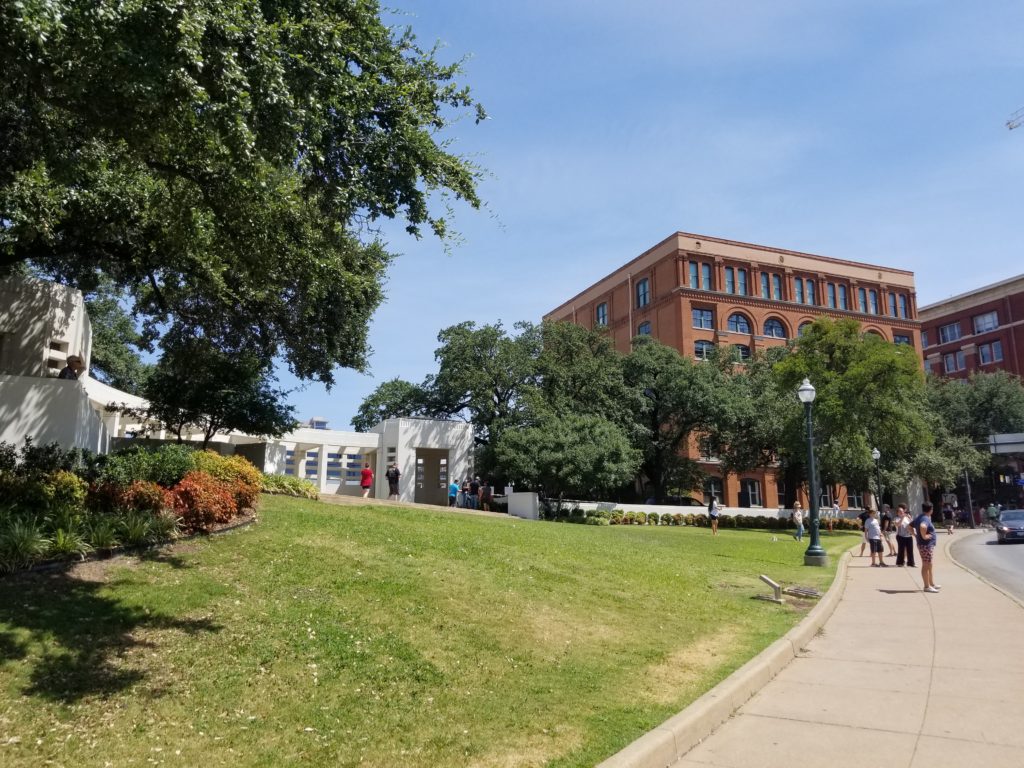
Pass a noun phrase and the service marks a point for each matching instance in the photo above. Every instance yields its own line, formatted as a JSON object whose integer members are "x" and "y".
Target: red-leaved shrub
{"x": 202, "y": 500}
{"x": 144, "y": 496}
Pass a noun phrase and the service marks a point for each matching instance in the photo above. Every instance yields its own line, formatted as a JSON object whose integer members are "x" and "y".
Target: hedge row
{"x": 57, "y": 504}
{"x": 574, "y": 514}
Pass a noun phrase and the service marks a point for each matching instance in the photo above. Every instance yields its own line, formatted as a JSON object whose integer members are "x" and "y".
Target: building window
{"x": 904, "y": 310}
{"x": 862, "y": 299}
{"x": 774, "y": 328}
{"x": 739, "y": 323}
{"x": 842, "y": 298}
{"x": 949, "y": 333}
{"x": 810, "y": 291}
{"x": 777, "y": 287}
{"x": 987, "y": 322}
{"x": 927, "y": 366}
{"x": 990, "y": 353}
{"x": 694, "y": 275}
{"x": 644, "y": 329}
{"x": 901, "y": 339}
{"x": 801, "y": 329}
{"x": 601, "y": 314}
{"x": 953, "y": 361}
{"x": 702, "y": 350}
{"x": 798, "y": 290}
{"x": 892, "y": 304}
{"x": 713, "y": 489}
{"x": 742, "y": 350}
{"x": 750, "y": 492}
{"x": 854, "y": 499}
{"x": 831, "y": 290}
{"x": 741, "y": 282}
{"x": 924, "y": 338}
{"x": 643, "y": 292}
{"x": 705, "y": 277}
{"x": 765, "y": 287}
{"x": 874, "y": 301}
{"x": 703, "y": 318}
{"x": 730, "y": 280}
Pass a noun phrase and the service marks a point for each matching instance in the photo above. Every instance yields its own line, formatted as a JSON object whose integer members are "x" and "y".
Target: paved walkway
{"x": 897, "y": 678}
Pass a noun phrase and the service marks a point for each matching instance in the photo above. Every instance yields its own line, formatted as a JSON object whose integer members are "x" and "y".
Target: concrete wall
{"x": 41, "y": 323}
{"x": 50, "y": 411}
{"x": 399, "y": 440}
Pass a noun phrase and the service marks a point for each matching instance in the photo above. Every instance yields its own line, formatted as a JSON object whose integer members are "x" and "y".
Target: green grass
{"x": 329, "y": 635}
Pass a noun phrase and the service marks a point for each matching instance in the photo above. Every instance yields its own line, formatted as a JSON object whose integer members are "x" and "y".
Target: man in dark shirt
{"x": 474, "y": 492}
{"x": 73, "y": 369}
{"x": 393, "y": 475}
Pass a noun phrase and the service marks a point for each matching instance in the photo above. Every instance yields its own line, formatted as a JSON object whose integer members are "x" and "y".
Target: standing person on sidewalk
{"x": 904, "y": 537}
{"x": 887, "y": 527}
{"x": 393, "y": 475}
{"x": 366, "y": 479}
{"x": 798, "y": 519}
{"x": 924, "y": 530}
{"x": 863, "y": 517}
{"x": 713, "y": 515}
{"x": 873, "y": 534}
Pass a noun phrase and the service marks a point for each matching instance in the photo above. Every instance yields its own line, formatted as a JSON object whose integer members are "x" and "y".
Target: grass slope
{"x": 380, "y": 636}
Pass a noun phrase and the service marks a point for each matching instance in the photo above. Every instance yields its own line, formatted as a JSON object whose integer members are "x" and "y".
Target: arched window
{"x": 742, "y": 350}
{"x": 802, "y": 328}
{"x": 601, "y": 314}
{"x": 739, "y": 323}
{"x": 643, "y": 292}
{"x": 644, "y": 329}
{"x": 702, "y": 350}
{"x": 773, "y": 327}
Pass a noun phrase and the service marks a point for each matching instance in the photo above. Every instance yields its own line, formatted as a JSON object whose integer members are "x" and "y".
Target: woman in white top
{"x": 798, "y": 518}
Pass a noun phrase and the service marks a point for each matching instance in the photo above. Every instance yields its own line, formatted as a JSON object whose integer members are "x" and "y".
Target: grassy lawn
{"x": 377, "y": 636}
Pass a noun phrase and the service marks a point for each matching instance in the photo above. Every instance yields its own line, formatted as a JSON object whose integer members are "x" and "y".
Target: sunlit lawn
{"x": 380, "y": 636}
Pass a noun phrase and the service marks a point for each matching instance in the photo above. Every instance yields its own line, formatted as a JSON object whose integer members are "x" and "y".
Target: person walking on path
{"x": 904, "y": 537}
{"x": 947, "y": 518}
{"x": 833, "y": 515}
{"x": 863, "y": 517}
{"x": 887, "y": 528}
{"x": 798, "y": 519}
{"x": 993, "y": 514}
{"x": 393, "y": 474}
{"x": 713, "y": 515}
{"x": 453, "y": 493}
{"x": 924, "y": 531}
{"x": 873, "y": 534}
{"x": 366, "y": 479}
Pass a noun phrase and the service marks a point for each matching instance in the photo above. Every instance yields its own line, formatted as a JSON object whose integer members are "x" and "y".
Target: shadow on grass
{"x": 83, "y": 636}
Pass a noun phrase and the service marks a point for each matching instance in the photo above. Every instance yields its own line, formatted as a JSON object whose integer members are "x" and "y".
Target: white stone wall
{"x": 41, "y": 323}
{"x": 50, "y": 411}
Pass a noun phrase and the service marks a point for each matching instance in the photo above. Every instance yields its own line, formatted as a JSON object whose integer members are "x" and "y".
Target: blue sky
{"x": 870, "y": 130}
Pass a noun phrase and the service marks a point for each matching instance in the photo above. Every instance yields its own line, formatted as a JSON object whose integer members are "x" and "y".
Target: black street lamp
{"x": 876, "y": 455}
{"x": 815, "y": 554}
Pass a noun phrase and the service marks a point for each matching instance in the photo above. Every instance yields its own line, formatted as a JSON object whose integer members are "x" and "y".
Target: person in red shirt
{"x": 366, "y": 479}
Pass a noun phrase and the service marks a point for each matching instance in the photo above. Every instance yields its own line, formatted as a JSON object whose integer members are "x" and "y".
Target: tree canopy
{"x": 223, "y": 162}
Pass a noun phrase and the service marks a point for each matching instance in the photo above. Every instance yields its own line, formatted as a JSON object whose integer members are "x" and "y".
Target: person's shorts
{"x": 876, "y": 545}
{"x": 393, "y": 487}
{"x": 926, "y": 552}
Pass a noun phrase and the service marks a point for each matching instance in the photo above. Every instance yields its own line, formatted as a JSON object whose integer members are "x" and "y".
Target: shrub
{"x": 145, "y": 496}
{"x": 235, "y": 471}
{"x": 653, "y": 518}
{"x": 678, "y": 518}
{"x": 169, "y": 463}
{"x": 68, "y": 543}
{"x": 202, "y": 501}
{"x": 289, "y": 486}
{"x": 616, "y": 517}
{"x": 640, "y": 518}
{"x": 135, "y": 529}
{"x": 165, "y": 526}
{"x": 66, "y": 491}
{"x": 102, "y": 534}
{"x": 125, "y": 467}
{"x": 21, "y": 544}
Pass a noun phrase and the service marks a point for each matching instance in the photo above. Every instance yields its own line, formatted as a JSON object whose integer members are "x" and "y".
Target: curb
{"x": 670, "y": 741}
{"x": 975, "y": 574}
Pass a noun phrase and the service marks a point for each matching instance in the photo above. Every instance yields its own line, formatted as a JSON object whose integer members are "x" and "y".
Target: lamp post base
{"x": 819, "y": 560}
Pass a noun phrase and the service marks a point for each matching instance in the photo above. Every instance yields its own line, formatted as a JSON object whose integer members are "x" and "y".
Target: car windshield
{"x": 1016, "y": 516}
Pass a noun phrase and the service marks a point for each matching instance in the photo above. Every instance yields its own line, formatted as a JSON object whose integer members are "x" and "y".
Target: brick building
{"x": 694, "y": 292}
{"x": 981, "y": 330}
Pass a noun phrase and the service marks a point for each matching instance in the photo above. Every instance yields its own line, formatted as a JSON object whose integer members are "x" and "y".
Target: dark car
{"x": 1010, "y": 526}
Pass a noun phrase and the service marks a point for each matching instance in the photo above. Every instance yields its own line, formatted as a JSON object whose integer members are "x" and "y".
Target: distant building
{"x": 980, "y": 330}
{"x": 695, "y": 293}
{"x": 41, "y": 323}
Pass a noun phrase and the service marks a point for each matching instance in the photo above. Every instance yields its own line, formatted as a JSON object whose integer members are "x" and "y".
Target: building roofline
{"x": 968, "y": 294}
{"x": 712, "y": 239}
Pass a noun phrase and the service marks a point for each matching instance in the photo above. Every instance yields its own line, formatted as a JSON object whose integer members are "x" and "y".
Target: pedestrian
{"x": 713, "y": 513}
{"x": 464, "y": 494}
{"x": 993, "y": 514}
{"x": 366, "y": 479}
{"x": 887, "y": 529}
{"x": 904, "y": 537}
{"x": 486, "y": 493}
{"x": 474, "y": 493}
{"x": 873, "y": 534}
{"x": 863, "y": 517}
{"x": 924, "y": 531}
{"x": 453, "y": 493}
{"x": 947, "y": 517}
{"x": 798, "y": 520}
{"x": 73, "y": 369}
{"x": 833, "y": 515}
{"x": 393, "y": 474}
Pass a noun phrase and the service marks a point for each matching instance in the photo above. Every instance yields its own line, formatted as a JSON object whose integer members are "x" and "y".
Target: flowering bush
{"x": 202, "y": 500}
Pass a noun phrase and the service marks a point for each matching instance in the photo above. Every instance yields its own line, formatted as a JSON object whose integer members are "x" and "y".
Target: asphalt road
{"x": 1002, "y": 564}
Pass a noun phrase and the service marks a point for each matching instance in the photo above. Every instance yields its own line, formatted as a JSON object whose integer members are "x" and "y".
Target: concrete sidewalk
{"x": 897, "y": 678}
